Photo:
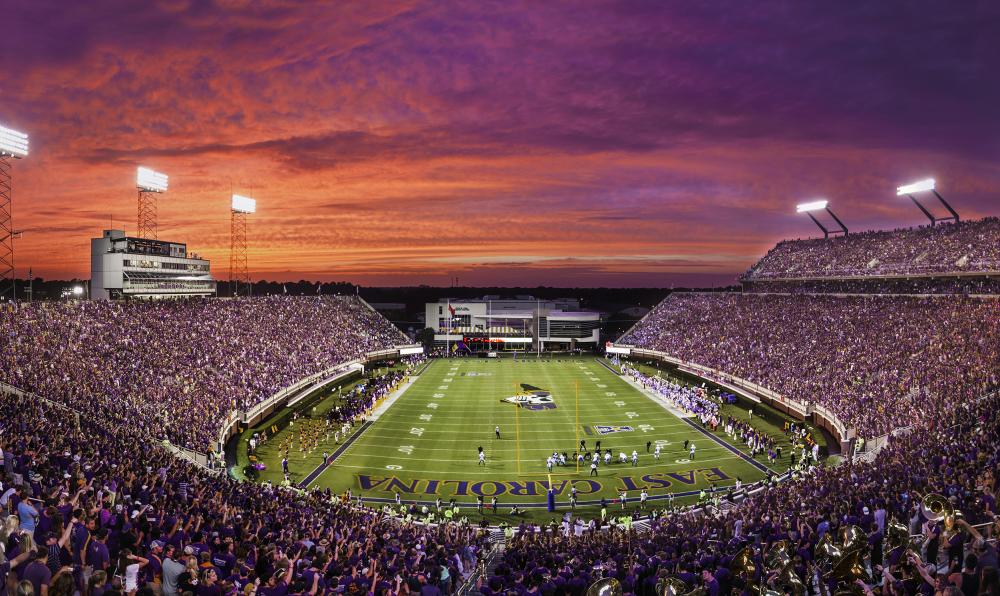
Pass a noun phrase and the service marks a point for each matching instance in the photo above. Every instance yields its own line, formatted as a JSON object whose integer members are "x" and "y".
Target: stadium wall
{"x": 821, "y": 416}
{"x": 231, "y": 424}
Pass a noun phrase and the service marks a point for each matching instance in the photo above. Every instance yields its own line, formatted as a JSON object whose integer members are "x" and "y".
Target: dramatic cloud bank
{"x": 616, "y": 143}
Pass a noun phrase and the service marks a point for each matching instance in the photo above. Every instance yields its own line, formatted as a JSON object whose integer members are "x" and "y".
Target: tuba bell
{"x": 777, "y": 556}
{"x": 850, "y": 567}
{"x": 826, "y": 550}
{"x": 742, "y": 565}
{"x": 789, "y": 581}
{"x": 673, "y": 586}
{"x": 608, "y": 586}
{"x": 852, "y": 537}
{"x": 896, "y": 535}
{"x": 935, "y": 507}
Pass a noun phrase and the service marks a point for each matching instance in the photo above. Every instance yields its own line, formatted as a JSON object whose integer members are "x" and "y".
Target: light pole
{"x": 821, "y": 205}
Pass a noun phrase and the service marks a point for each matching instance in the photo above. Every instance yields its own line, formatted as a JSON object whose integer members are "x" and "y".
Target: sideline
{"x": 656, "y": 399}
{"x": 735, "y": 451}
{"x": 378, "y": 411}
{"x": 605, "y": 365}
{"x": 691, "y": 419}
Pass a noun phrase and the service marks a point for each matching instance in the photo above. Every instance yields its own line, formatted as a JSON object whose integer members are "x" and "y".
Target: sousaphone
{"x": 608, "y": 586}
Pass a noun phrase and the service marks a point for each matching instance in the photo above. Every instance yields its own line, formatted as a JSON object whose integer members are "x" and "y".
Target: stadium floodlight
{"x": 928, "y": 185}
{"x": 821, "y": 205}
{"x": 919, "y": 186}
{"x": 13, "y": 143}
{"x": 78, "y": 290}
{"x": 151, "y": 181}
{"x": 239, "y": 273}
{"x": 243, "y": 204}
{"x": 813, "y": 206}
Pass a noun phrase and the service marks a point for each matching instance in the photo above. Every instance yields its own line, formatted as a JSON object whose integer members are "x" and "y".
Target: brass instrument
{"x": 850, "y": 567}
{"x": 936, "y": 508}
{"x": 777, "y": 556}
{"x": 673, "y": 586}
{"x": 826, "y": 550}
{"x": 850, "y": 590}
{"x": 896, "y": 535}
{"x": 608, "y": 586}
{"x": 852, "y": 537}
{"x": 742, "y": 565}
{"x": 789, "y": 580}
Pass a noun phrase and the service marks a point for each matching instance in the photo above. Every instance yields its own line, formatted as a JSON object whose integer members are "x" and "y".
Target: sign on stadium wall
{"x": 657, "y": 481}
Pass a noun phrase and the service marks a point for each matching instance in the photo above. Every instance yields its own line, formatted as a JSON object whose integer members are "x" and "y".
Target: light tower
{"x": 13, "y": 145}
{"x": 150, "y": 184}
{"x": 821, "y": 205}
{"x": 923, "y": 186}
{"x": 238, "y": 271}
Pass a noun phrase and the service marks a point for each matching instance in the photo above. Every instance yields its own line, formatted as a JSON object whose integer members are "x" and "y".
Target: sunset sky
{"x": 508, "y": 143}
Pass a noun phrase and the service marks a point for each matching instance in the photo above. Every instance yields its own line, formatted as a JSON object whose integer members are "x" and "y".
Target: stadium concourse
{"x": 97, "y": 506}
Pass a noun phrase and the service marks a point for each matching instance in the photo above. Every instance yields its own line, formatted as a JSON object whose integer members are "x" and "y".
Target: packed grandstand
{"x": 97, "y": 505}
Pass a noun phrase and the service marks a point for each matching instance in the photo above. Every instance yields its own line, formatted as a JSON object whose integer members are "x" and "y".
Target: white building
{"x": 521, "y": 324}
{"x": 121, "y": 266}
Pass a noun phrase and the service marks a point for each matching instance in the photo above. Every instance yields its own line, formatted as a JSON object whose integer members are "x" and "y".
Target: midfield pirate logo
{"x": 533, "y": 398}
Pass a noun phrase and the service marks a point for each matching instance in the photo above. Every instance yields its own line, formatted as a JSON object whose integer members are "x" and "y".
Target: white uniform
{"x": 482, "y": 458}
{"x": 656, "y": 453}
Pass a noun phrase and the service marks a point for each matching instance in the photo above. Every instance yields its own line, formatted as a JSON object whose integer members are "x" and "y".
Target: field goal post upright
{"x": 577, "y": 385}
{"x": 238, "y": 269}
{"x": 517, "y": 431}
{"x": 13, "y": 145}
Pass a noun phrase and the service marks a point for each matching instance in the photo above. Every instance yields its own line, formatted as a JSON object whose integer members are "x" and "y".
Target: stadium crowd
{"x": 955, "y": 455}
{"x": 85, "y": 497}
{"x": 866, "y": 358}
{"x": 963, "y": 246}
{"x": 976, "y": 285}
{"x": 175, "y": 368}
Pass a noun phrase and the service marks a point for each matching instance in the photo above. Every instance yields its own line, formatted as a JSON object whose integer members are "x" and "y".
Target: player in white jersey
{"x": 635, "y": 458}
{"x": 656, "y": 454}
{"x": 482, "y": 458}
{"x": 691, "y": 451}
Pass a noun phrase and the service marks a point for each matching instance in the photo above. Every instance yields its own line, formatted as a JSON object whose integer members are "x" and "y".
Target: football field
{"x": 425, "y": 445}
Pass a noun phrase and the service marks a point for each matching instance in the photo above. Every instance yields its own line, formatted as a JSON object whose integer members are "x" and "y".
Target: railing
{"x": 482, "y": 569}
{"x": 752, "y": 390}
{"x": 190, "y": 455}
{"x": 12, "y": 390}
{"x": 270, "y": 403}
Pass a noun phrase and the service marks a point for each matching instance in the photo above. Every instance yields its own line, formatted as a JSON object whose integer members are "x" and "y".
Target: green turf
{"x": 425, "y": 445}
